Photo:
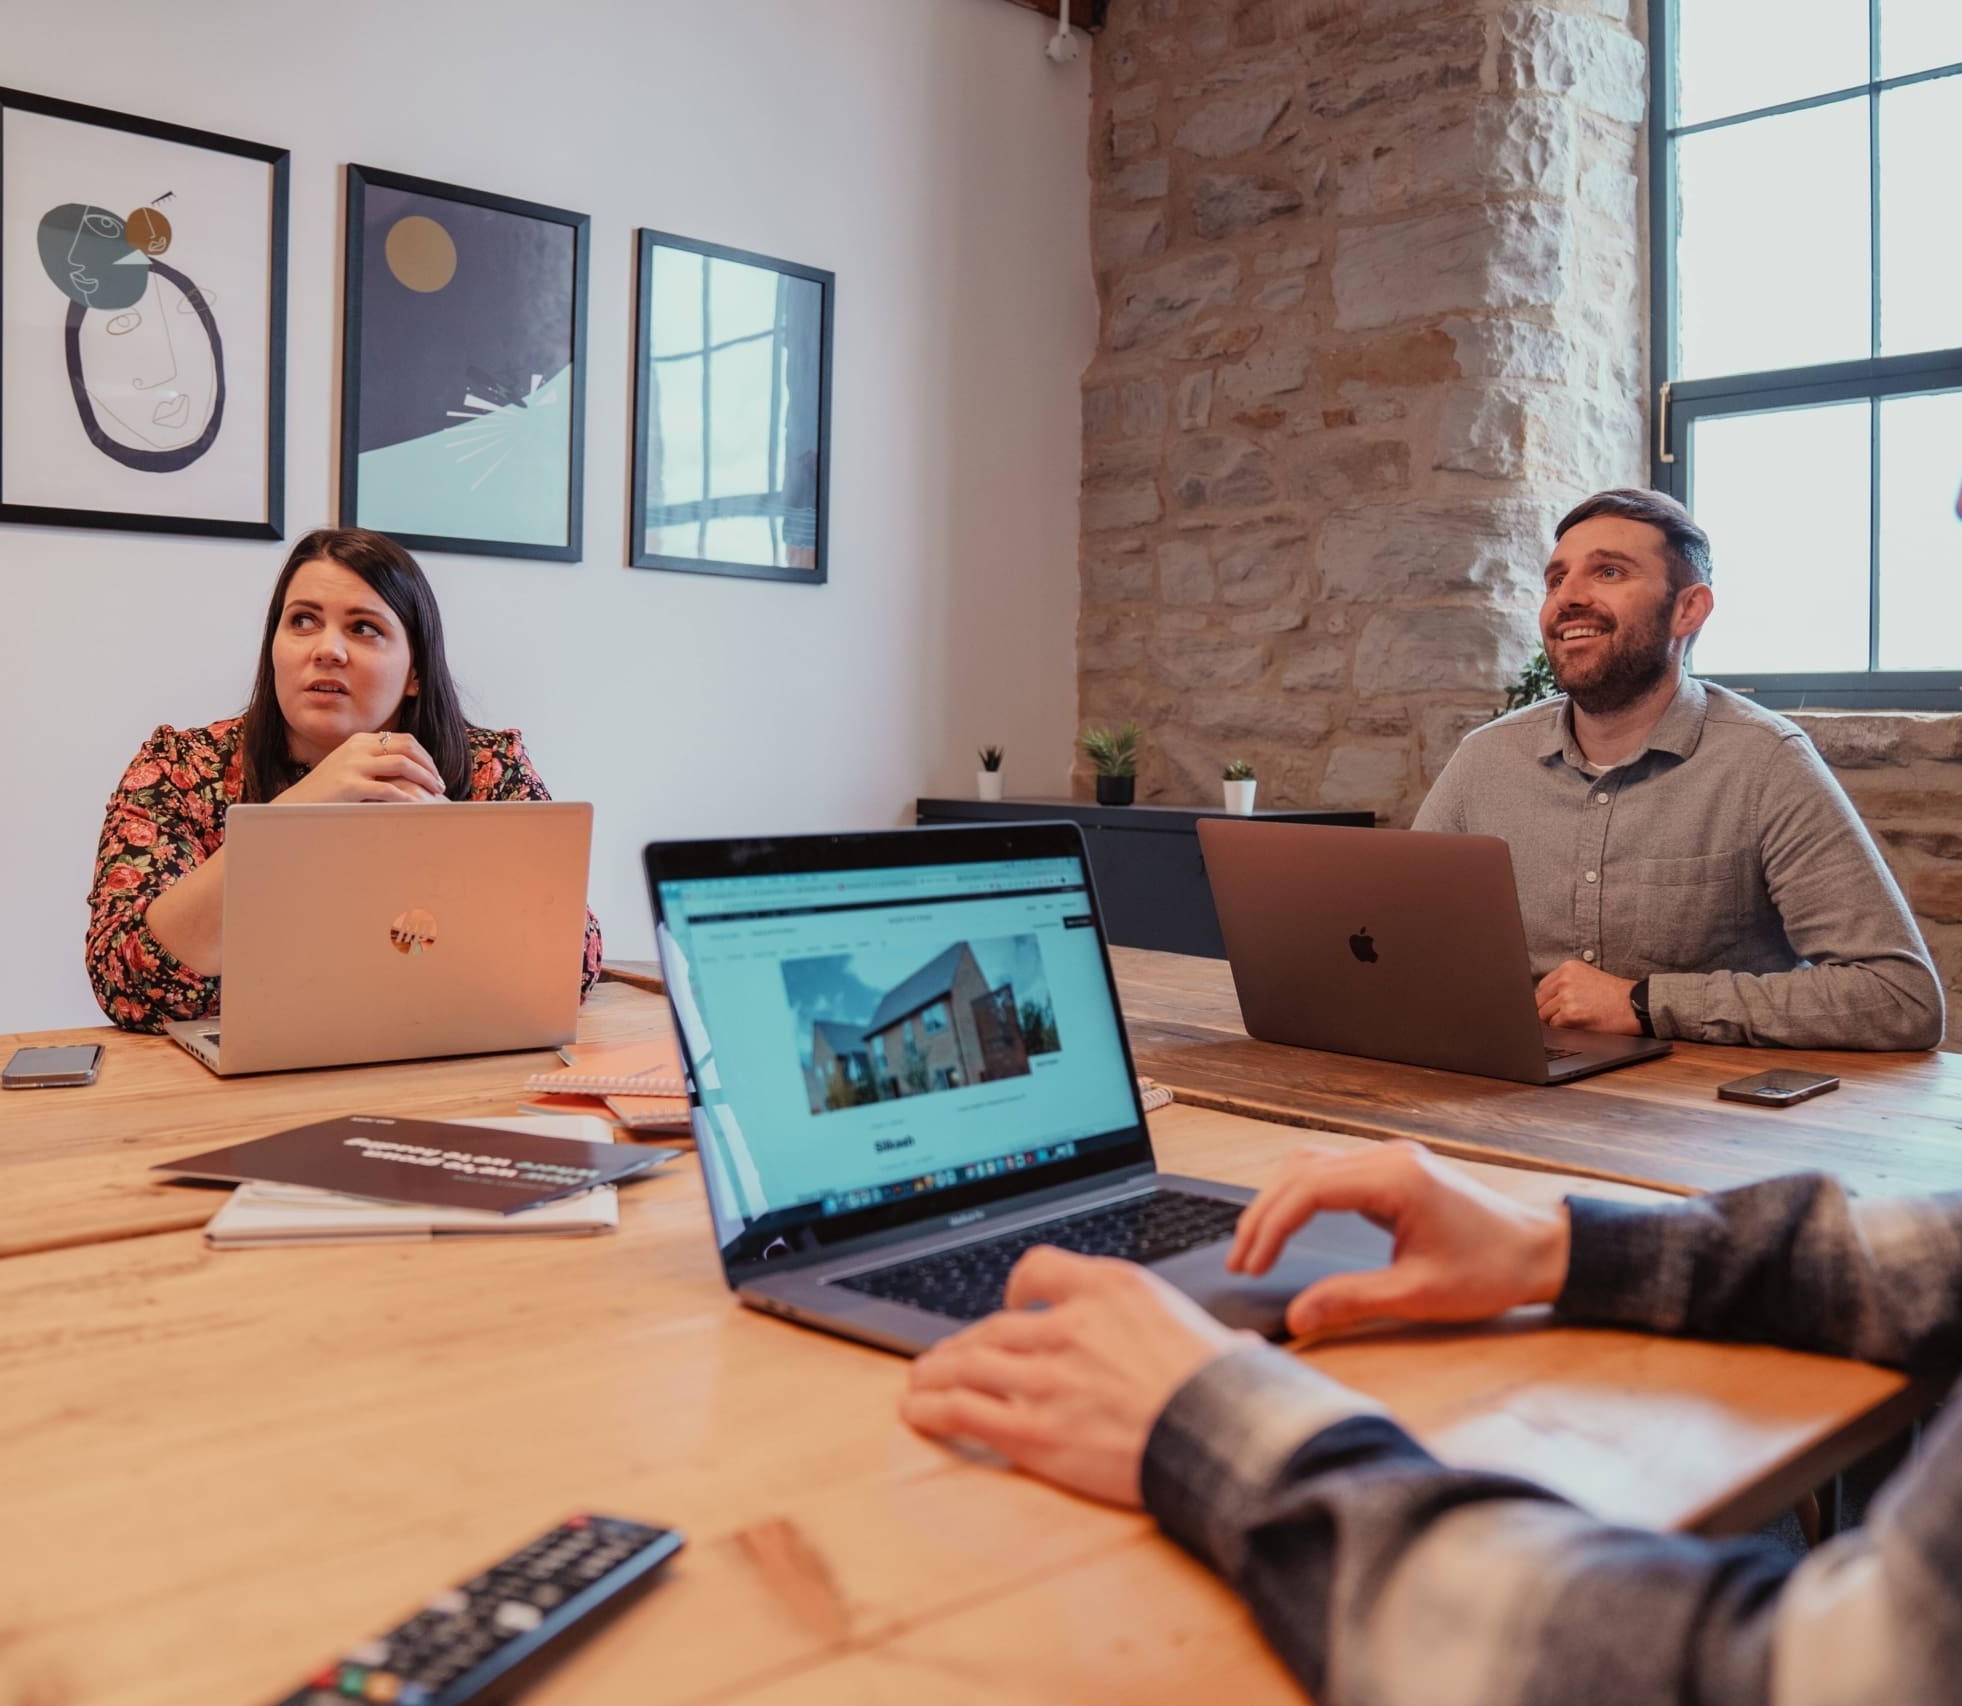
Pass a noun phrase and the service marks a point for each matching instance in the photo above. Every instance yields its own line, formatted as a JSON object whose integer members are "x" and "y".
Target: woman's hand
{"x": 1463, "y": 1252}
{"x": 390, "y": 766}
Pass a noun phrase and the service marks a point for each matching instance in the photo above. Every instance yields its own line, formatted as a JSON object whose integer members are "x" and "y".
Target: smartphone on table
{"x": 51, "y": 1068}
{"x": 1778, "y": 1089}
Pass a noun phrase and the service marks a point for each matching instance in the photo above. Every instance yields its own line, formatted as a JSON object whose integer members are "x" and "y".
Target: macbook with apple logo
{"x": 1393, "y": 944}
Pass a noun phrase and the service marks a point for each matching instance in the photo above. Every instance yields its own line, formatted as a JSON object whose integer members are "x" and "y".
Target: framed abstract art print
{"x": 463, "y": 368}
{"x": 142, "y": 324}
{"x": 732, "y": 413}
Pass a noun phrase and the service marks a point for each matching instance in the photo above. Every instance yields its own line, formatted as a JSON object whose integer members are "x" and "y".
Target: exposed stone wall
{"x": 1372, "y": 316}
{"x": 1903, "y": 771}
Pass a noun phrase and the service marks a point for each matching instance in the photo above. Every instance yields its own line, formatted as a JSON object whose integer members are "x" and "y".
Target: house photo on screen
{"x": 880, "y": 1025}
{"x": 142, "y": 323}
{"x": 463, "y": 368}
{"x": 732, "y": 412}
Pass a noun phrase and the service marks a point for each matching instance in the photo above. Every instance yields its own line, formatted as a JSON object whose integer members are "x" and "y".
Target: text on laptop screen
{"x": 873, "y": 1037}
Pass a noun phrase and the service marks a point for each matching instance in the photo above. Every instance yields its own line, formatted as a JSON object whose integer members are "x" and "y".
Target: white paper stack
{"x": 262, "y": 1216}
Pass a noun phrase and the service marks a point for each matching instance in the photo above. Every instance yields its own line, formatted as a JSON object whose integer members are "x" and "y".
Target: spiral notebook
{"x": 649, "y": 1066}
{"x": 638, "y": 1085}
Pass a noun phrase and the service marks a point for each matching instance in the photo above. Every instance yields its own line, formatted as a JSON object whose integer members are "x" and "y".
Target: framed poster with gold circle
{"x": 463, "y": 368}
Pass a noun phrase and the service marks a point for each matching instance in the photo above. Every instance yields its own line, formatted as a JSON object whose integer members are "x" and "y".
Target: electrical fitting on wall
{"x": 1062, "y": 45}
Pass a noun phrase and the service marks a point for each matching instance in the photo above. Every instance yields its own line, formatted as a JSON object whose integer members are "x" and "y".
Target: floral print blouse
{"x": 167, "y": 817}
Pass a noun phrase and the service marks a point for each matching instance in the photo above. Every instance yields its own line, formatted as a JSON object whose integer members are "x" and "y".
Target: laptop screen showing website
{"x": 873, "y": 1047}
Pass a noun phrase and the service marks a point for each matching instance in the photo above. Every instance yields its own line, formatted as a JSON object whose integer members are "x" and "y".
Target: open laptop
{"x": 907, "y": 1067}
{"x": 361, "y": 933}
{"x": 1395, "y": 944}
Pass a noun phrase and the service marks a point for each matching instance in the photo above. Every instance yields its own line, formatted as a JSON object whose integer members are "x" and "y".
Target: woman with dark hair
{"x": 353, "y": 700}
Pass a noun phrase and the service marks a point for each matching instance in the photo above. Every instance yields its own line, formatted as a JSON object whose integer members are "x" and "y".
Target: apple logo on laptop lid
{"x": 1363, "y": 946}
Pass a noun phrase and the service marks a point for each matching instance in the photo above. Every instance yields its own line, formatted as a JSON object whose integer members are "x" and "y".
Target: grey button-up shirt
{"x": 1722, "y": 862}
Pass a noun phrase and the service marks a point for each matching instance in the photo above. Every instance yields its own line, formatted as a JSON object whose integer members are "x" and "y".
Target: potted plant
{"x": 1237, "y": 784}
{"x": 1113, "y": 754}
{"x": 987, "y": 780}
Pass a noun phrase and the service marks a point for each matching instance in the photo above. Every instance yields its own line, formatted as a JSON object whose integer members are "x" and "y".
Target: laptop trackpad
{"x": 1329, "y": 1244}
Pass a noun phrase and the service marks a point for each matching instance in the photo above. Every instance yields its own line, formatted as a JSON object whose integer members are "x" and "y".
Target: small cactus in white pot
{"x": 1237, "y": 784}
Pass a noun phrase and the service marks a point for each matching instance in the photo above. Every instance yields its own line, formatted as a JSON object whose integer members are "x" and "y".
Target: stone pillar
{"x": 1372, "y": 317}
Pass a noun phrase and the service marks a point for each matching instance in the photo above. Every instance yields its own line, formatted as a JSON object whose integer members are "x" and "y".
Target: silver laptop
{"x": 908, "y": 1066}
{"x": 1395, "y": 944}
{"x": 360, "y": 933}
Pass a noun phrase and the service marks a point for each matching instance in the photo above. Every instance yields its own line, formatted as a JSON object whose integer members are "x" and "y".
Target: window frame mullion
{"x": 1874, "y": 379}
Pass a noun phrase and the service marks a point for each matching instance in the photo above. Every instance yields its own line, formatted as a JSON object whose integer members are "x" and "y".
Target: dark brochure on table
{"x": 422, "y": 1161}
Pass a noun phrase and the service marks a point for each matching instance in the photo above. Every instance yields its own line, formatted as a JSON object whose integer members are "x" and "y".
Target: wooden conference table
{"x": 230, "y": 1466}
{"x": 1894, "y": 1125}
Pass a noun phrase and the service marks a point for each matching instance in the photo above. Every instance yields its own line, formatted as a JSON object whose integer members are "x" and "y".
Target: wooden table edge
{"x": 638, "y": 974}
{"x": 1807, "y": 1470}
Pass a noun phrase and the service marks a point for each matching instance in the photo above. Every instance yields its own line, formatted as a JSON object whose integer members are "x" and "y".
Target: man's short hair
{"x": 1685, "y": 546}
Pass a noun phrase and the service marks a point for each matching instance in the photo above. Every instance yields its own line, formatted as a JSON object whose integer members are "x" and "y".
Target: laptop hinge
{"x": 1006, "y": 1215}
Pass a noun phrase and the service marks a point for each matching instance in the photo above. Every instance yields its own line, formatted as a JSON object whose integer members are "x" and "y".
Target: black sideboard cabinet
{"x": 1151, "y": 879}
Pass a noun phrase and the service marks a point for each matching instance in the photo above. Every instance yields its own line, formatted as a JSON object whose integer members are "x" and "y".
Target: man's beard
{"x": 1635, "y": 659}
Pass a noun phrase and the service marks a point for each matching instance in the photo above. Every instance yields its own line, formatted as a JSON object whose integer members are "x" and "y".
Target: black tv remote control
{"x": 484, "y": 1639}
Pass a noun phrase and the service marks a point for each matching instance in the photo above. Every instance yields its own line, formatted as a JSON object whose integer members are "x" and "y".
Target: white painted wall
{"x": 925, "y": 150}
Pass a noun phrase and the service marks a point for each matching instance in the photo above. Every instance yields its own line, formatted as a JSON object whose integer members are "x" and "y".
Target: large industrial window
{"x": 1806, "y": 246}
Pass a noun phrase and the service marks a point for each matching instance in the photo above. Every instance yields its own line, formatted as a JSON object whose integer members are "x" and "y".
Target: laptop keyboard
{"x": 967, "y": 1283}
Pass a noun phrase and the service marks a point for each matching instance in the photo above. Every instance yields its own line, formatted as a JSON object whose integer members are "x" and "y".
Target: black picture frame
{"x": 356, "y": 328}
{"x": 640, "y": 514}
{"x": 271, "y": 521}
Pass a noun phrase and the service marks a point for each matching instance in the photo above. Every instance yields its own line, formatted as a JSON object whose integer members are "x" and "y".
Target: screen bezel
{"x": 1121, "y": 1150}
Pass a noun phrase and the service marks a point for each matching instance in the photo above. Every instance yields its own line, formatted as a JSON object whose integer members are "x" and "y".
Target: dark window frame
{"x": 1679, "y": 403}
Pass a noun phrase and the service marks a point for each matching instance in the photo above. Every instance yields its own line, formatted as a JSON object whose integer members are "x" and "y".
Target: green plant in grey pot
{"x": 1113, "y": 755}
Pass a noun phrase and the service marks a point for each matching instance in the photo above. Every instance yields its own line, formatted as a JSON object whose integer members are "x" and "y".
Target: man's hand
{"x": 1069, "y": 1392}
{"x": 1463, "y": 1252}
{"x": 1584, "y": 999}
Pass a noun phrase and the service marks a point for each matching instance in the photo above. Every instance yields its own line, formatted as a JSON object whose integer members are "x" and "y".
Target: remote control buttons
{"x": 451, "y": 1602}
{"x": 515, "y": 1617}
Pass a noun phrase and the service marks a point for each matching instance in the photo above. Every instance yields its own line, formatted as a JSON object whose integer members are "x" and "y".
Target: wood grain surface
{"x": 75, "y": 1163}
{"x": 1895, "y": 1125}
{"x": 231, "y": 1466}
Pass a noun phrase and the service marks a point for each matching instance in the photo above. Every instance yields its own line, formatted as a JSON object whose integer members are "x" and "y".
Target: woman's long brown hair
{"x": 434, "y": 714}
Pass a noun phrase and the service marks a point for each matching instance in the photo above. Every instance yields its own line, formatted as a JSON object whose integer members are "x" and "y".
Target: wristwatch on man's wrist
{"x": 1638, "y": 998}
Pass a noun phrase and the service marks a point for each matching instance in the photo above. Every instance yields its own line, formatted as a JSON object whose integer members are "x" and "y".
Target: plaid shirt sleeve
{"x": 1382, "y": 1576}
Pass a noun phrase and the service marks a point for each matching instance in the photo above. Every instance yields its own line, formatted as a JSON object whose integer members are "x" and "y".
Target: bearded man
{"x": 1687, "y": 865}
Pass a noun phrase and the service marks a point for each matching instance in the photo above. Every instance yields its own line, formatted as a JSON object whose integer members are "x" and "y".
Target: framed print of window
{"x": 142, "y": 324}
{"x": 732, "y": 412}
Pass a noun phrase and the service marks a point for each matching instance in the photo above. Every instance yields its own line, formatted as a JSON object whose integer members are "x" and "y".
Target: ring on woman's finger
{"x": 384, "y": 739}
